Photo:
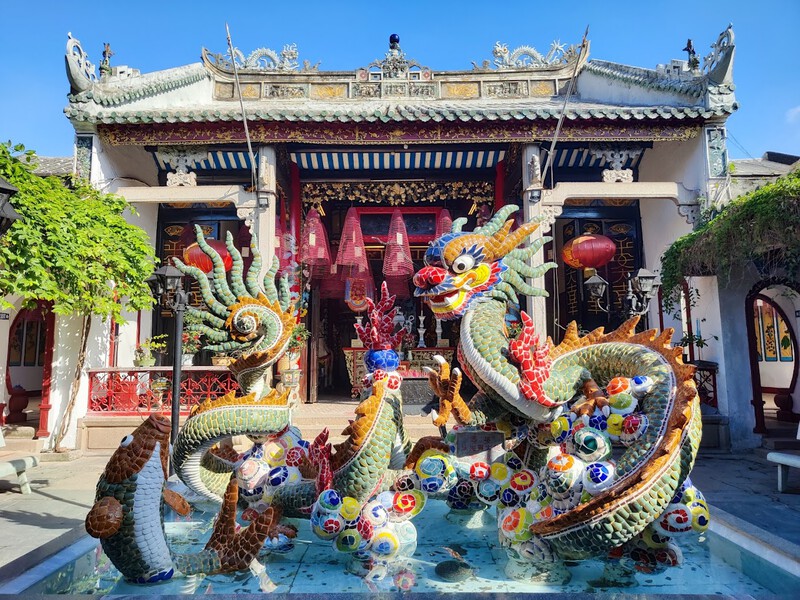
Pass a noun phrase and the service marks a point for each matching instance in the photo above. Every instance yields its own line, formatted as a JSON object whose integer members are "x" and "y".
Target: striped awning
{"x": 572, "y": 158}
{"x": 400, "y": 160}
{"x": 217, "y": 159}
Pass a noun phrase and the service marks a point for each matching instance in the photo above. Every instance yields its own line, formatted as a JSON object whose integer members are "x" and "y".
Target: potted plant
{"x": 144, "y": 355}
{"x": 191, "y": 344}
{"x": 297, "y": 342}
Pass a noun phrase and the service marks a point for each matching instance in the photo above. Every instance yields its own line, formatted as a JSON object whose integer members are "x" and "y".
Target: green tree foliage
{"x": 74, "y": 249}
{"x": 72, "y": 246}
{"x": 762, "y": 227}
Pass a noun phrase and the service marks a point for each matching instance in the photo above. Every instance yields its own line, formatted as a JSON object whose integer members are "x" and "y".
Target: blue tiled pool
{"x": 713, "y": 566}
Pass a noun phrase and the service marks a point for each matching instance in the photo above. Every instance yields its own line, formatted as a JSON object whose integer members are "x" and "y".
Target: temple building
{"x": 346, "y": 176}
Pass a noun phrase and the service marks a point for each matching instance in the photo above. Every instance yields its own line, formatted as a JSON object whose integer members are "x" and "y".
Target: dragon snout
{"x": 427, "y": 278}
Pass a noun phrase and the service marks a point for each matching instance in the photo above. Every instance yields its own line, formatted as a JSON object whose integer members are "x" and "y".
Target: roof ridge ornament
{"x": 527, "y": 57}
{"x": 261, "y": 59}
{"x": 394, "y": 65}
{"x": 80, "y": 70}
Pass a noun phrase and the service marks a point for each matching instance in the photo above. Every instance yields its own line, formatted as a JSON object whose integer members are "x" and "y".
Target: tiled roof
{"x": 388, "y": 111}
{"x": 646, "y": 78}
{"x": 60, "y": 166}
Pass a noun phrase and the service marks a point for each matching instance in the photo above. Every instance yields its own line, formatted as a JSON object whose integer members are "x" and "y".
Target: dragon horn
{"x": 458, "y": 224}
{"x": 501, "y": 243}
{"x": 497, "y": 221}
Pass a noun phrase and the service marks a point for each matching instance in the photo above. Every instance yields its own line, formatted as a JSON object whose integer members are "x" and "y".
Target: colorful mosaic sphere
{"x": 598, "y": 477}
{"x": 623, "y": 403}
{"x": 598, "y": 420}
{"x": 385, "y": 544}
{"x": 634, "y": 427}
{"x": 614, "y": 426}
{"x": 350, "y": 509}
{"x": 523, "y": 481}
{"x": 365, "y": 528}
{"x": 564, "y": 473}
{"x": 278, "y": 475}
{"x": 561, "y": 429}
{"x": 515, "y": 524}
{"x": 348, "y": 540}
{"x": 386, "y": 360}
{"x": 641, "y": 385}
{"x": 479, "y": 471}
{"x": 488, "y": 491}
{"x": 404, "y": 580}
{"x": 590, "y": 445}
{"x": 295, "y": 456}
{"x": 618, "y": 385}
{"x": 500, "y": 472}
{"x": 406, "y": 505}
{"x": 330, "y": 500}
{"x": 375, "y": 513}
{"x": 407, "y": 482}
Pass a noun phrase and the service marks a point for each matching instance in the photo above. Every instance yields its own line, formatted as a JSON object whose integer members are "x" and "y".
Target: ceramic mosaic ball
{"x": 330, "y": 500}
{"x": 348, "y": 540}
{"x": 590, "y": 445}
{"x": 700, "y": 515}
{"x": 564, "y": 475}
{"x": 404, "y": 580}
{"x": 488, "y": 491}
{"x": 634, "y": 427}
{"x": 375, "y": 513}
{"x": 429, "y": 464}
{"x": 406, "y": 505}
{"x": 295, "y": 456}
{"x": 510, "y": 498}
{"x": 350, "y": 509}
{"x": 598, "y": 477}
{"x": 675, "y": 520}
{"x": 500, "y": 472}
{"x": 515, "y": 524}
{"x": 561, "y": 429}
{"x": 407, "y": 482}
{"x": 407, "y": 535}
{"x": 278, "y": 475}
{"x": 385, "y": 360}
{"x": 479, "y": 471}
{"x": 618, "y": 385}
{"x": 523, "y": 481}
{"x": 598, "y": 420}
{"x": 623, "y": 403}
{"x": 614, "y": 426}
{"x": 385, "y": 544}
{"x": 641, "y": 385}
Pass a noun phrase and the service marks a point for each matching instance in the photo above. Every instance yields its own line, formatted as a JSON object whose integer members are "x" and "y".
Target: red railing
{"x": 133, "y": 390}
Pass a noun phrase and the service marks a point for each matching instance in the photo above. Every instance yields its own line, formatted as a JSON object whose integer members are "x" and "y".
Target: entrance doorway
{"x": 770, "y": 310}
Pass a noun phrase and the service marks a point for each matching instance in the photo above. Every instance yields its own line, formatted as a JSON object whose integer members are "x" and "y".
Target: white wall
{"x": 595, "y": 87}
{"x": 5, "y": 329}
{"x": 65, "y": 358}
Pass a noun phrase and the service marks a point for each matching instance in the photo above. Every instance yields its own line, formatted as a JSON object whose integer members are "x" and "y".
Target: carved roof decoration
{"x": 524, "y": 84}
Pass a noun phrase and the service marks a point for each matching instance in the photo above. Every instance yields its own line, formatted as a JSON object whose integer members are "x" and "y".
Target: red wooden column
{"x": 499, "y": 184}
{"x": 47, "y": 373}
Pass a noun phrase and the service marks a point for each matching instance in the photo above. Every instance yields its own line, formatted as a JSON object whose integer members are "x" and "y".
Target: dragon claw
{"x": 446, "y": 384}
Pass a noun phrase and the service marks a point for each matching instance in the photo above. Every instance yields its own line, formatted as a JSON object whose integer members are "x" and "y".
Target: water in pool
{"x": 313, "y": 566}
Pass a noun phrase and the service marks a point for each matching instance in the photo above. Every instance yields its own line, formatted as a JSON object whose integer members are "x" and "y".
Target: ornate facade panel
{"x": 83, "y": 156}
{"x": 223, "y": 90}
{"x": 328, "y": 91}
{"x": 251, "y": 91}
{"x": 717, "y": 152}
{"x": 286, "y": 91}
{"x": 506, "y": 89}
{"x": 392, "y": 133}
{"x": 366, "y": 90}
{"x": 540, "y": 89}
{"x": 462, "y": 91}
{"x": 397, "y": 193}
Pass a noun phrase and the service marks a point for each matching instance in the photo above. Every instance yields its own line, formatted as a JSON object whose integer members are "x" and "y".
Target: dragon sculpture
{"x": 559, "y": 493}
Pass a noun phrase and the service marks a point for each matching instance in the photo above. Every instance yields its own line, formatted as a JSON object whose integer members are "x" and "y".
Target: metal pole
{"x": 181, "y": 300}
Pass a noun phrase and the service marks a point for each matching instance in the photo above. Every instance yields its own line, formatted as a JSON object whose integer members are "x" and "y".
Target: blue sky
{"x": 441, "y": 35}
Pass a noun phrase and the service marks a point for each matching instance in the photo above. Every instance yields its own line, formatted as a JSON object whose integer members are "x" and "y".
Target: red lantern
{"x": 588, "y": 251}
{"x": 195, "y": 257}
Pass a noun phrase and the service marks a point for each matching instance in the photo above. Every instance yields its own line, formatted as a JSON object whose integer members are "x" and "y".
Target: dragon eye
{"x": 463, "y": 263}
{"x": 126, "y": 441}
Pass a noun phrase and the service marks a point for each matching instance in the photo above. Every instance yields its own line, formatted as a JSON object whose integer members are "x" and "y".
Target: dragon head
{"x": 462, "y": 266}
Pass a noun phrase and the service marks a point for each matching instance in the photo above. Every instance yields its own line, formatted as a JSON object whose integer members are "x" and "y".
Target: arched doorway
{"x": 770, "y": 310}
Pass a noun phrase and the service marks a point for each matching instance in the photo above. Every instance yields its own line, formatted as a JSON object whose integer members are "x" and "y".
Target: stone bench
{"x": 18, "y": 466}
{"x": 784, "y": 460}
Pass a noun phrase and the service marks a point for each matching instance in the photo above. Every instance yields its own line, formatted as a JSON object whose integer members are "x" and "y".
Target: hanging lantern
{"x": 444, "y": 223}
{"x": 588, "y": 251}
{"x": 195, "y": 257}
{"x": 314, "y": 249}
{"x": 398, "y": 268}
{"x": 352, "y": 252}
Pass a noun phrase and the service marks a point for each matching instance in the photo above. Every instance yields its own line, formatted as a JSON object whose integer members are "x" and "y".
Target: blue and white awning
{"x": 400, "y": 160}
{"x": 582, "y": 158}
{"x": 217, "y": 159}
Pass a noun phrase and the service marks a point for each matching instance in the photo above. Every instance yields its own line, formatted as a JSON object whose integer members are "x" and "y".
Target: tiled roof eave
{"x": 645, "y": 78}
{"x": 78, "y": 114}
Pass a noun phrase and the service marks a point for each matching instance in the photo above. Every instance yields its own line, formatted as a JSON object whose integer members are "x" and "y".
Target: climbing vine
{"x": 761, "y": 227}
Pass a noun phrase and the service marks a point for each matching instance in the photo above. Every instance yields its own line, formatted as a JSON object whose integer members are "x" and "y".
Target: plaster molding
{"x": 203, "y": 194}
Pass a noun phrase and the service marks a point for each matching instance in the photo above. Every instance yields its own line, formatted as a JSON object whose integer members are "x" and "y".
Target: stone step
{"x": 26, "y": 445}
{"x": 780, "y": 443}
